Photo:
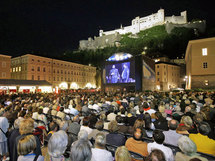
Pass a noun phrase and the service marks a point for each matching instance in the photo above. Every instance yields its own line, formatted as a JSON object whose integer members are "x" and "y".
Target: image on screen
{"x": 119, "y": 73}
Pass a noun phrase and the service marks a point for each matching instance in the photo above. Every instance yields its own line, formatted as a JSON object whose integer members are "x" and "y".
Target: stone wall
{"x": 99, "y": 42}
{"x": 200, "y": 25}
{"x": 200, "y": 81}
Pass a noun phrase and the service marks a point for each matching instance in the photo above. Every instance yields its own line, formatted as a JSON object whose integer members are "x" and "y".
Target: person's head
{"x": 22, "y": 113}
{"x": 61, "y": 109}
{"x": 148, "y": 120}
{"x": 26, "y": 145}
{"x": 158, "y": 115}
{"x": 138, "y": 134}
{"x": 145, "y": 105}
{"x": 99, "y": 125}
{"x": 100, "y": 141}
{"x": 53, "y": 126}
{"x": 17, "y": 123}
{"x": 112, "y": 126}
{"x": 64, "y": 125}
{"x": 139, "y": 123}
{"x": 187, "y": 121}
{"x": 158, "y": 136}
{"x": 113, "y": 66}
{"x": 204, "y": 128}
{"x": 173, "y": 124}
{"x": 122, "y": 154}
{"x": 81, "y": 151}
{"x": 156, "y": 155}
{"x": 26, "y": 126}
{"x": 57, "y": 144}
{"x": 76, "y": 119}
{"x": 119, "y": 119}
{"x": 83, "y": 135}
{"x": 40, "y": 111}
{"x": 86, "y": 121}
{"x": 187, "y": 146}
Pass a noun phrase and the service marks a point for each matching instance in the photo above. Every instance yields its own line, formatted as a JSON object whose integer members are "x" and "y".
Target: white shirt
{"x": 87, "y": 129}
{"x": 167, "y": 151}
{"x": 101, "y": 154}
{"x": 151, "y": 111}
{"x": 96, "y": 107}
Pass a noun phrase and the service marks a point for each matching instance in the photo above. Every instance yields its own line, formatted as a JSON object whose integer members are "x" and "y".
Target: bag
{"x": 6, "y": 134}
{"x": 35, "y": 158}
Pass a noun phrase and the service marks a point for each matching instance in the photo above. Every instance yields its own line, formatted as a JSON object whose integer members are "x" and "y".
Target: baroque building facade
{"x": 200, "y": 58}
{"x": 62, "y": 74}
{"x": 5, "y": 66}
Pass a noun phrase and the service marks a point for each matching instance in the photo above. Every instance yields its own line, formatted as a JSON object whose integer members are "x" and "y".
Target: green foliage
{"x": 153, "y": 42}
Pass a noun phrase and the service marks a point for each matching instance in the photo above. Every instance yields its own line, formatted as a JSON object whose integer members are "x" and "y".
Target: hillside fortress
{"x": 111, "y": 38}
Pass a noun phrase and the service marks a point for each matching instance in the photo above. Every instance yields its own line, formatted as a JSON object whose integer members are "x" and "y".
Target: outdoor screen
{"x": 120, "y": 73}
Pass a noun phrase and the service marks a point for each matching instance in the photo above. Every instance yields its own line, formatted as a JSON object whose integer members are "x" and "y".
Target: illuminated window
{"x": 205, "y": 65}
{"x": 20, "y": 69}
{"x": 14, "y": 69}
{"x": 204, "y": 51}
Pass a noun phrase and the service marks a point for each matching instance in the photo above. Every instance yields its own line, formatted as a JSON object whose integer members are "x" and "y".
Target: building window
{"x": 157, "y": 66}
{"x": 20, "y": 69}
{"x": 204, "y": 51}
{"x": 32, "y": 59}
{"x": 38, "y": 60}
{"x": 32, "y": 77}
{"x": 61, "y": 71}
{"x": 158, "y": 73}
{"x": 57, "y": 78}
{"x": 44, "y": 69}
{"x": 38, "y": 77}
{"x": 32, "y": 68}
{"x": 54, "y": 78}
{"x": 3, "y": 64}
{"x": 38, "y": 69}
{"x": 205, "y": 65}
{"x": 164, "y": 73}
{"x": 61, "y": 78}
{"x": 54, "y": 71}
{"x": 158, "y": 79}
{"x": 14, "y": 69}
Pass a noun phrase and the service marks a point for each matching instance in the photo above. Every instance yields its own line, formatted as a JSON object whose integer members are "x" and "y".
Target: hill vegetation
{"x": 153, "y": 42}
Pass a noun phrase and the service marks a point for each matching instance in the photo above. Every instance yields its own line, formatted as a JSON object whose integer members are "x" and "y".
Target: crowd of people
{"x": 107, "y": 126}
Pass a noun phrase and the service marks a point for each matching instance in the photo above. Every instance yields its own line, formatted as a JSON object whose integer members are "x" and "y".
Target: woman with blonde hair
{"x": 26, "y": 128}
{"x": 122, "y": 154}
{"x": 185, "y": 125}
{"x": 26, "y": 147}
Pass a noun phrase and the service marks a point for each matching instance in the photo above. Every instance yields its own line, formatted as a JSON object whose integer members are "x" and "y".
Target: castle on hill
{"x": 111, "y": 38}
